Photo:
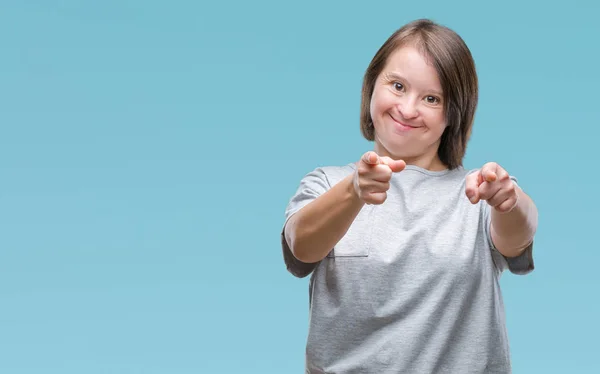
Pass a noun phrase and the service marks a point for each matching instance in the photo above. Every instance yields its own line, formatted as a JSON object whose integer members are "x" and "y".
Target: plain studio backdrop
{"x": 148, "y": 150}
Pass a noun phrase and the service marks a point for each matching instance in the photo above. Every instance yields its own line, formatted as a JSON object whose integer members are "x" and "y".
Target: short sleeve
{"x": 311, "y": 186}
{"x": 520, "y": 265}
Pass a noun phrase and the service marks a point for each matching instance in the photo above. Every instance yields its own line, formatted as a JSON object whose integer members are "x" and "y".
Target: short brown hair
{"x": 453, "y": 61}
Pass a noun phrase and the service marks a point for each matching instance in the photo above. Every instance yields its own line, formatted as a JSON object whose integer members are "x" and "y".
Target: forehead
{"x": 411, "y": 64}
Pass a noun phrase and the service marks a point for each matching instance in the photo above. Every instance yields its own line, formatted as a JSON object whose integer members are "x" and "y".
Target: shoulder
{"x": 330, "y": 174}
{"x": 337, "y": 173}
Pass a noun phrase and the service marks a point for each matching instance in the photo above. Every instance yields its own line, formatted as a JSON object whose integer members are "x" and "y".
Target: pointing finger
{"x": 488, "y": 172}
{"x": 490, "y": 176}
{"x": 395, "y": 165}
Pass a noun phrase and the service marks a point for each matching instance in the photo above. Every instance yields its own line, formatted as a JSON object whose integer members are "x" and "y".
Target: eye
{"x": 398, "y": 86}
{"x": 432, "y": 99}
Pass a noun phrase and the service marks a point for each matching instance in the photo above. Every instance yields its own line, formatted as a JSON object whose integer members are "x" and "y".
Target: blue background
{"x": 148, "y": 150}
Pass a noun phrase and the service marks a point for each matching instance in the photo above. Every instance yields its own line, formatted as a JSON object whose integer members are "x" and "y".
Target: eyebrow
{"x": 396, "y": 76}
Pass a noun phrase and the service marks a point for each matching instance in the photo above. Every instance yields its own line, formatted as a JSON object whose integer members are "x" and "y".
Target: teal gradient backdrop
{"x": 148, "y": 150}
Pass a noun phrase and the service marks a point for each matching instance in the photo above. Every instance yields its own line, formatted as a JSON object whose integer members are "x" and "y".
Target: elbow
{"x": 515, "y": 251}
{"x": 296, "y": 263}
{"x": 303, "y": 253}
{"x": 304, "y": 243}
{"x": 299, "y": 248}
{"x": 512, "y": 245}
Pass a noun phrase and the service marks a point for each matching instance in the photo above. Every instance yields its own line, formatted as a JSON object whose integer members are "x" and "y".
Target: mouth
{"x": 401, "y": 126}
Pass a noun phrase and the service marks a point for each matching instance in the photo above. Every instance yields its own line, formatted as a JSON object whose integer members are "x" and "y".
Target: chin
{"x": 397, "y": 149}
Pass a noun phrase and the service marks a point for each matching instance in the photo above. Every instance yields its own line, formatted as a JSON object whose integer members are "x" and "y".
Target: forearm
{"x": 313, "y": 231}
{"x": 513, "y": 231}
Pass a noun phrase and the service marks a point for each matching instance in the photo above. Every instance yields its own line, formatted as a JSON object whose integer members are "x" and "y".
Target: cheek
{"x": 379, "y": 104}
{"x": 436, "y": 121}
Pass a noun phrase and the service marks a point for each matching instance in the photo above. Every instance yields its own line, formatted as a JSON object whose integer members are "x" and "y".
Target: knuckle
{"x": 384, "y": 172}
{"x": 375, "y": 198}
{"x": 363, "y": 187}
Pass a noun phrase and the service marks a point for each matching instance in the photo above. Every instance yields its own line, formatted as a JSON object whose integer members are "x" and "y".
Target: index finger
{"x": 488, "y": 172}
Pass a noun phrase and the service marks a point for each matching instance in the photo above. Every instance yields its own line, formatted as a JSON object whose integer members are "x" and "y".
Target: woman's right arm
{"x": 313, "y": 231}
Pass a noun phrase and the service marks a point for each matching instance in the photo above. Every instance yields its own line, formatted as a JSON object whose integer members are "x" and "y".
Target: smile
{"x": 401, "y": 126}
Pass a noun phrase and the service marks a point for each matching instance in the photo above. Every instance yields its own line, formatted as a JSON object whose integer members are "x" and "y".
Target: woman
{"x": 405, "y": 246}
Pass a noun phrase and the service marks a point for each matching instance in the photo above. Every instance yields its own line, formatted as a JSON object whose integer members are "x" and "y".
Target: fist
{"x": 372, "y": 177}
{"x": 492, "y": 184}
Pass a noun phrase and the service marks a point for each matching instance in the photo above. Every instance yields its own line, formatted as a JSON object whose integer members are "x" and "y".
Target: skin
{"x": 409, "y": 92}
{"x": 514, "y": 214}
{"x": 409, "y": 120}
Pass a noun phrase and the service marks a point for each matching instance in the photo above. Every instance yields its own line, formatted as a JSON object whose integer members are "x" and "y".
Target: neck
{"x": 429, "y": 161}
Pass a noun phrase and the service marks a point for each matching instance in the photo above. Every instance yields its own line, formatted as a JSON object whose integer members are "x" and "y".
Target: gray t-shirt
{"x": 413, "y": 286}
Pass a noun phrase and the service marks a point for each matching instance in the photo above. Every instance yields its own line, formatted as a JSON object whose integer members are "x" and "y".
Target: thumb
{"x": 370, "y": 158}
{"x": 472, "y": 183}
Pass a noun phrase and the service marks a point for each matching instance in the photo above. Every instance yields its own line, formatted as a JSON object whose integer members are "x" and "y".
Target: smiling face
{"x": 407, "y": 109}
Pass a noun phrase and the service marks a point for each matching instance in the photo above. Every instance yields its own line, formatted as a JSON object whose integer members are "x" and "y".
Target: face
{"x": 407, "y": 109}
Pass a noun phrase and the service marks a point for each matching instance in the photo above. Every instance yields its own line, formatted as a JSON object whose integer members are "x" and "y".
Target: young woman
{"x": 405, "y": 246}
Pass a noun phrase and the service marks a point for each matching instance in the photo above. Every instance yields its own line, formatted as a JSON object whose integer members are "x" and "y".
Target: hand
{"x": 372, "y": 177}
{"x": 493, "y": 184}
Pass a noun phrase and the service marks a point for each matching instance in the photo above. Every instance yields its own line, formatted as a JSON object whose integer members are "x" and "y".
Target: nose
{"x": 408, "y": 108}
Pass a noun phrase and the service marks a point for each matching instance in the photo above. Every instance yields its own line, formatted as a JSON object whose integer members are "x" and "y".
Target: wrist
{"x": 352, "y": 189}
